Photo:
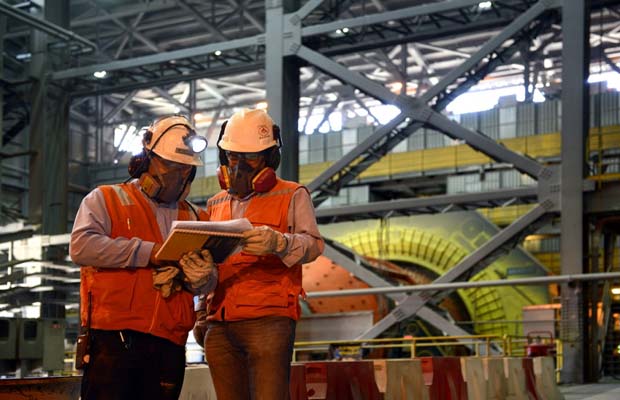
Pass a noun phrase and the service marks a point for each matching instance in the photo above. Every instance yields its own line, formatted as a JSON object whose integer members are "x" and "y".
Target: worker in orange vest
{"x": 251, "y": 316}
{"x": 135, "y": 312}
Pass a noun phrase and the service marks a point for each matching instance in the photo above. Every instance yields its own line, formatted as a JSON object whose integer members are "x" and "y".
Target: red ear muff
{"x": 264, "y": 181}
{"x": 223, "y": 177}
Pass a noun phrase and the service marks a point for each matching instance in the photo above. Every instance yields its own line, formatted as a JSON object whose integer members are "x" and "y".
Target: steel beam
{"x": 418, "y": 111}
{"x": 467, "y": 267}
{"x": 355, "y": 263}
{"x": 428, "y": 204}
{"x": 164, "y": 93}
{"x": 159, "y": 58}
{"x": 202, "y": 20}
{"x": 119, "y": 107}
{"x": 45, "y": 26}
{"x": 506, "y": 33}
{"x": 342, "y": 172}
{"x": 3, "y": 27}
{"x": 434, "y": 287}
{"x": 575, "y": 127}
{"x": 304, "y": 11}
{"x": 395, "y": 15}
{"x": 282, "y": 83}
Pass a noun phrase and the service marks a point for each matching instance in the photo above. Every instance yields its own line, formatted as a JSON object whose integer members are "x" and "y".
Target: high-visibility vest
{"x": 256, "y": 286}
{"x": 124, "y": 298}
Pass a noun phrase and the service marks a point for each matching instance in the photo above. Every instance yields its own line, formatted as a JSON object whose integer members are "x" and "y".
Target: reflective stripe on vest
{"x": 124, "y": 298}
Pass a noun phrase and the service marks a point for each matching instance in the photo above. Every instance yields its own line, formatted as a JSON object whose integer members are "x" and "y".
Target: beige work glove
{"x": 200, "y": 271}
{"x": 167, "y": 279}
{"x": 262, "y": 241}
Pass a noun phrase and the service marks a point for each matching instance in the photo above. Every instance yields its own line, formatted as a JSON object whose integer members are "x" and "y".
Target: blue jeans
{"x": 251, "y": 359}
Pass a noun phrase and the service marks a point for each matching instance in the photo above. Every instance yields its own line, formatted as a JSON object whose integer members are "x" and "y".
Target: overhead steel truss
{"x": 308, "y": 35}
{"x": 312, "y": 27}
{"x": 76, "y": 43}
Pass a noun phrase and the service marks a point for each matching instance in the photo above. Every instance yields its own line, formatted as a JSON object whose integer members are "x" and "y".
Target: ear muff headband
{"x": 221, "y": 155}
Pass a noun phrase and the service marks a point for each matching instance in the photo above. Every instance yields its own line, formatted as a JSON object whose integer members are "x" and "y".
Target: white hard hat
{"x": 171, "y": 139}
{"x": 248, "y": 131}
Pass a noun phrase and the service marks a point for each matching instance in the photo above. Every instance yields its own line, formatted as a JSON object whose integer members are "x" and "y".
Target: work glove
{"x": 200, "y": 327}
{"x": 200, "y": 271}
{"x": 262, "y": 241}
{"x": 167, "y": 279}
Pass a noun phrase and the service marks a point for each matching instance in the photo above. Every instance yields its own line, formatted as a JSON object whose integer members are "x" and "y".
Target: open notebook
{"x": 221, "y": 238}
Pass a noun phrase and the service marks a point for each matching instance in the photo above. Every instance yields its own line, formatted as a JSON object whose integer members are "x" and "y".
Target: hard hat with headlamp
{"x": 245, "y": 134}
{"x": 172, "y": 138}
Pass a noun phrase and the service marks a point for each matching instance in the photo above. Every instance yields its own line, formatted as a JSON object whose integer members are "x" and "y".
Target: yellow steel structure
{"x": 445, "y": 158}
{"x": 437, "y": 243}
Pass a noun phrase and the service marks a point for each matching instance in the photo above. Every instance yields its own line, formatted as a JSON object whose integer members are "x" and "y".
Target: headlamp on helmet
{"x": 197, "y": 144}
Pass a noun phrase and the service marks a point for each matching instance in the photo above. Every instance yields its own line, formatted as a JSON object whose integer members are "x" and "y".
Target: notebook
{"x": 221, "y": 238}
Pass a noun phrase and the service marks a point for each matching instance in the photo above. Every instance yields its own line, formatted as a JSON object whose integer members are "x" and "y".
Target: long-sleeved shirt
{"x": 305, "y": 243}
{"x": 92, "y": 245}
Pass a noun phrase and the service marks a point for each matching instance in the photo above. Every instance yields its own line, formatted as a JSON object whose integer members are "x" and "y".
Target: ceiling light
{"x": 339, "y": 31}
{"x": 100, "y": 74}
{"x": 262, "y": 105}
{"x": 548, "y": 63}
{"x": 345, "y": 30}
{"x": 485, "y": 5}
{"x": 23, "y": 56}
{"x": 42, "y": 289}
{"x": 218, "y": 53}
{"x": 615, "y": 290}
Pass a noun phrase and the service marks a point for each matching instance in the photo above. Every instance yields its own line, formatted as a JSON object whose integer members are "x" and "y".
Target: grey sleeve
{"x": 305, "y": 242}
{"x": 91, "y": 244}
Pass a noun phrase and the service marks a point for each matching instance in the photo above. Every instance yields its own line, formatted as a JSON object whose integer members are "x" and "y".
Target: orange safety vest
{"x": 124, "y": 298}
{"x": 256, "y": 286}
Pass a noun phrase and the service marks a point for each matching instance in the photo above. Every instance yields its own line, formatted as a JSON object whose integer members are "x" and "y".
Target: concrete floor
{"x": 607, "y": 389}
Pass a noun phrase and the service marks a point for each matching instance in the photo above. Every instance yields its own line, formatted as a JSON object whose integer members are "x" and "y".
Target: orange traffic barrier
{"x": 444, "y": 378}
{"x": 544, "y": 371}
{"x": 297, "y": 385}
{"x": 473, "y": 375}
{"x": 380, "y": 374}
{"x": 530, "y": 380}
{"x": 495, "y": 377}
{"x": 316, "y": 380}
{"x": 341, "y": 380}
{"x": 404, "y": 380}
{"x": 516, "y": 375}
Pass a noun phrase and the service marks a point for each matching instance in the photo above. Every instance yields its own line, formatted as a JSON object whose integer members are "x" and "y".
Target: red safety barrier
{"x": 342, "y": 380}
{"x": 316, "y": 380}
{"x": 297, "y": 385}
{"x": 530, "y": 379}
{"x": 443, "y": 377}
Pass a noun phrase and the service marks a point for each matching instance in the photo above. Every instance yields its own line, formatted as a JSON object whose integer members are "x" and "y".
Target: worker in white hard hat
{"x": 135, "y": 312}
{"x": 250, "y": 318}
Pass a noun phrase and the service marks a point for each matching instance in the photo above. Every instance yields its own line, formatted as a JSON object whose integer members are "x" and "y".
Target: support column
{"x": 2, "y": 32}
{"x": 575, "y": 124}
{"x": 49, "y": 132}
{"x": 282, "y": 84}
